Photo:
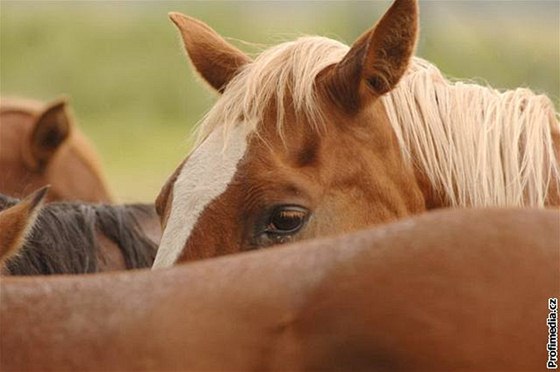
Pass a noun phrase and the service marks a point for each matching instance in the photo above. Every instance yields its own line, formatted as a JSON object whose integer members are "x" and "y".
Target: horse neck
{"x": 109, "y": 255}
{"x": 474, "y": 146}
{"x": 128, "y": 231}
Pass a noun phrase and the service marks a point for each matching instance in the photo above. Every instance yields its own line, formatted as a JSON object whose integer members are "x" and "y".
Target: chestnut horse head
{"x": 40, "y": 145}
{"x": 315, "y": 138}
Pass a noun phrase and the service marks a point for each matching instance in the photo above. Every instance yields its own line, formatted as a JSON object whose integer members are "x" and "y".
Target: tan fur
{"x": 69, "y": 164}
{"x": 449, "y": 290}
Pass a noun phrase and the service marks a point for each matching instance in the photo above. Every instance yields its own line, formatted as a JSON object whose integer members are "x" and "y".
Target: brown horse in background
{"x": 40, "y": 145}
{"x": 458, "y": 289}
{"x": 78, "y": 238}
{"x": 315, "y": 138}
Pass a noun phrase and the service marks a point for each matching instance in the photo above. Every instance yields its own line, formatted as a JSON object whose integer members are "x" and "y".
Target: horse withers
{"x": 314, "y": 138}
{"x": 40, "y": 145}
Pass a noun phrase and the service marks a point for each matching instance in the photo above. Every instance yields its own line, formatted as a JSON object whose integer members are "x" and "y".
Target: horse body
{"x": 40, "y": 145}
{"x": 472, "y": 296}
{"x": 314, "y": 138}
{"x": 77, "y": 238}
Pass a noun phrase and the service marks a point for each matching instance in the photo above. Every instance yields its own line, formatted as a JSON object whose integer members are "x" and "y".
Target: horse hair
{"x": 64, "y": 241}
{"x": 479, "y": 147}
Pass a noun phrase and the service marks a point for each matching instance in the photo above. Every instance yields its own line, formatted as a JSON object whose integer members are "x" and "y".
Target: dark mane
{"x": 64, "y": 239}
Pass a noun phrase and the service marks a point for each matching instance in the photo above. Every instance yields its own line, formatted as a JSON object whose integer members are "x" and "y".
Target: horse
{"x": 409, "y": 295}
{"x": 314, "y": 138}
{"x": 16, "y": 223}
{"x": 40, "y": 145}
{"x": 78, "y": 238}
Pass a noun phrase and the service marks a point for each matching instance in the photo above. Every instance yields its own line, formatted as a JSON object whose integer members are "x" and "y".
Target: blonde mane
{"x": 477, "y": 146}
{"x": 285, "y": 70}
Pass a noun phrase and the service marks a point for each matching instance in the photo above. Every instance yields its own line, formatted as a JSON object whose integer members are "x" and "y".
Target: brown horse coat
{"x": 456, "y": 289}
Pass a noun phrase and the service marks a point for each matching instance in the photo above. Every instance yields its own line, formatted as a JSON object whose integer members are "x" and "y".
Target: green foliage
{"x": 122, "y": 65}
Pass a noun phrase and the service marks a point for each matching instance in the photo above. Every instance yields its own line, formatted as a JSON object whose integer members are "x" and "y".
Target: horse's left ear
{"x": 50, "y": 131}
{"x": 215, "y": 59}
{"x": 377, "y": 60}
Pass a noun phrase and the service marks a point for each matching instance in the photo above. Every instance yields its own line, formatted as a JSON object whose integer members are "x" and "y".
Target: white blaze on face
{"x": 205, "y": 176}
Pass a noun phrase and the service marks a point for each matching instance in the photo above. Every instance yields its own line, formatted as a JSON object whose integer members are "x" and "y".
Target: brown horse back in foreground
{"x": 454, "y": 289}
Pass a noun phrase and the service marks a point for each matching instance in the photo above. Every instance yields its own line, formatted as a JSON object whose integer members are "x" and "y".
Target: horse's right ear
{"x": 213, "y": 57}
{"x": 50, "y": 130}
{"x": 377, "y": 60}
{"x": 17, "y": 221}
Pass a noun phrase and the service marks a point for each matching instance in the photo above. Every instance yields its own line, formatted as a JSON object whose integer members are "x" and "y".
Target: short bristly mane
{"x": 477, "y": 146}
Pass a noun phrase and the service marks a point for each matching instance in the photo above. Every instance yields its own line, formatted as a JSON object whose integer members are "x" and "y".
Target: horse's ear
{"x": 50, "y": 130}
{"x": 213, "y": 57}
{"x": 378, "y": 59}
{"x": 17, "y": 221}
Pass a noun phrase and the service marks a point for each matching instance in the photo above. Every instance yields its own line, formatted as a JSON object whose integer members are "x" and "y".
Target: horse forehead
{"x": 204, "y": 177}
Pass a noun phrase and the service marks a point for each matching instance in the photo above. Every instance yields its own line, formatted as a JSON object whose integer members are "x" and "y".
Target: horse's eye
{"x": 287, "y": 219}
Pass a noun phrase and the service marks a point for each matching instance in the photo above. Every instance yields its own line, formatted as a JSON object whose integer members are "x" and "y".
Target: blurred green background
{"x": 134, "y": 94}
